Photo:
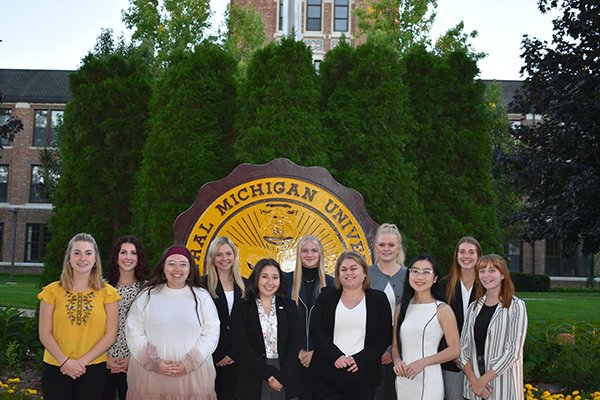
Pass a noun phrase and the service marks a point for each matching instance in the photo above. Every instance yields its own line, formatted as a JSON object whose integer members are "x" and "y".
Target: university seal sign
{"x": 266, "y": 209}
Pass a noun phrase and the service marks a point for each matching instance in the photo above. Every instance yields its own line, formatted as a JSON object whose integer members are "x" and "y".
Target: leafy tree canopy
{"x": 557, "y": 163}
{"x": 167, "y": 26}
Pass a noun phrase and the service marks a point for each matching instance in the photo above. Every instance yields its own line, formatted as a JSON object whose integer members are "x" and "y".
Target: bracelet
{"x": 64, "y": 362}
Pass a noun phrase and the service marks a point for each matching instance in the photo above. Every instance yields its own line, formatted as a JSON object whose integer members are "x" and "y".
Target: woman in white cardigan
{"x": 493, "y": 335}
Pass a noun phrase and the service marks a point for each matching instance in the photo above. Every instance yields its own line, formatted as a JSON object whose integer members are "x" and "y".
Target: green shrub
{"x": 530, "y": 282}
{"x": 563, "y": 354}
{"x": 19, "y": 340}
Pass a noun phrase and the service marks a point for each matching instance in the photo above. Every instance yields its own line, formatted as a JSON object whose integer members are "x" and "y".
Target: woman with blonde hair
{"x": 457, "y": 290}
{"x": 78, "y": 323}
{"x": 387, "y": 275}
{"x": 303, "y": 286}
{"x": 226, "y": 286}
{"x": 494, "y": 335}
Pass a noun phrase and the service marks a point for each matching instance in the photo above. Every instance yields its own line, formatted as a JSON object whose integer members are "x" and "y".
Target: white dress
{"x": 420, "y": 336}
{"x": 168, "y": 326}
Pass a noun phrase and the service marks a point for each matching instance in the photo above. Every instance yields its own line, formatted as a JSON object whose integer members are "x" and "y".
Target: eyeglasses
{"x": 182, "y": 264}
{"x": 422, "y": 272}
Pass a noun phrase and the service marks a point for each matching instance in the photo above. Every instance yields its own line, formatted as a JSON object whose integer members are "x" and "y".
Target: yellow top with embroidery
{"x": 79, "y": 319}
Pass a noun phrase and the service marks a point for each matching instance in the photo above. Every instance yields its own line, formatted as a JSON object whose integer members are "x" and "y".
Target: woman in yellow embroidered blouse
{"x": 78, "y": 323}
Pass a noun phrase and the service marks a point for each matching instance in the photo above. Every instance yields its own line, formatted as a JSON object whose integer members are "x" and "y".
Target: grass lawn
{"x": 21, "y": 294}
{"x": 562, "y": 306}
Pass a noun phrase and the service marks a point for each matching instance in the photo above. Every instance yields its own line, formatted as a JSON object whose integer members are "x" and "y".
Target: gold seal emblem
{"x": 267, "y": 209}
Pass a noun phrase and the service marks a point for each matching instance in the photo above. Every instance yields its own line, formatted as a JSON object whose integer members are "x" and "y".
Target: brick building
{"x": 37, "y": 98}
{"x": 542, "y": 256}
{"x": 319, "y": 23}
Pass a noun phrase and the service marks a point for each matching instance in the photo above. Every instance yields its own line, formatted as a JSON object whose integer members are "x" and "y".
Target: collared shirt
{"x": 268, "y": 324}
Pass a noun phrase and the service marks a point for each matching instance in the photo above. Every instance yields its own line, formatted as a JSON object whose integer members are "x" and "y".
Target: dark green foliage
{"x": 367, "y": 117}
{"x": 102, "y": 136}
{"x": 189, "y": 142}
{"x": 18, "y": 339}
{"x": 557, "y": 164}
{"x": 452, "y": 151}
{"x": 279, "y": 113}
{"x": 564, "y": 354}
{"x": 530, "y": 282}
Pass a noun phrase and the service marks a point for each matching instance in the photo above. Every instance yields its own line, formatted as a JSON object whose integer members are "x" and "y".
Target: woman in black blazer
{"x": 351, "y": 327}
{"x": 226, "y": 287}
{"x": 266, "y": 335}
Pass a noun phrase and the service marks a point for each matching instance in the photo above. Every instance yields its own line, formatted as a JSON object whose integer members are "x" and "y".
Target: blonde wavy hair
{"x": 297, "y": 281}
{"x": 211, "y": 267}
{"x": 66, "y": 277}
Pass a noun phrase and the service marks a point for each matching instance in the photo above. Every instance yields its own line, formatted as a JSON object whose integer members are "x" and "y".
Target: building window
{"x": 44, "y": 131}
{"x": 341, "y": 15}
{"x": 514, "y": 257}
{"x": 3, "y": 183}
{"x": 559, "y": 263}
{"x": 280, "y": 15}
{"x": 36, "y": 193}
{"x": 37, "y": 236}
{"x": 313, "y": 15}
{"x": 4, "y": 118}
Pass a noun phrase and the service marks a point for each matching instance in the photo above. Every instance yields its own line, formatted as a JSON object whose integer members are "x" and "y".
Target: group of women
{"x": 385, "y": 331}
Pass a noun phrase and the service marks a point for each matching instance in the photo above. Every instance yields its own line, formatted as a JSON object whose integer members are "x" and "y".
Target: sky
{"x": 42, "y": 34}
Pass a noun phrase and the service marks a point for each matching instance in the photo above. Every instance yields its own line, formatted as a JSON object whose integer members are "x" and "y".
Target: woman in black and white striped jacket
{"x": 493, "y": 335}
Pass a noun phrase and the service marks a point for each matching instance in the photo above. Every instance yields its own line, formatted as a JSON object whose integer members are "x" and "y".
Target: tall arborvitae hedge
{"x": 451, "y": 150}
{"x": 368, "y": 120}
{"x": 102, "y": 137}
{"x": 189, "y": 143}
{"x": 279, "y": 113}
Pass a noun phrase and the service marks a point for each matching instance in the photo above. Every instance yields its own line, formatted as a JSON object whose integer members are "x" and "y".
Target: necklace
{"x": 309, "y": 280}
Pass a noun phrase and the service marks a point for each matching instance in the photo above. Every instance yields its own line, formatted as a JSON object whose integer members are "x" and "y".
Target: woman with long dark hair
{"x": 494, "y": 335}
{"x": 265, "y": 329}
{"x": 422, "y": 320}
{"x": 172, "y": 332}
{"x": 127, "y": 273}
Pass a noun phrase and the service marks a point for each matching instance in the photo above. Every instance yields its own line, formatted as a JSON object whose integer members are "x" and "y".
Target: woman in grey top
{"x": 387, "y": 275}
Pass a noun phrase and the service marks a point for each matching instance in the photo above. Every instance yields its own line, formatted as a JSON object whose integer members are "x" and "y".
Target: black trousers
{"x": 89, "y": 386}
{"x": 226, "y": 382}
{"x": 344, "y": 385}
{"x": 115, "y": 384}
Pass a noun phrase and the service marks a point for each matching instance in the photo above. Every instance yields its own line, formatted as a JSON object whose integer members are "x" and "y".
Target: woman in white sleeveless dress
{"x": 421, "y": 321}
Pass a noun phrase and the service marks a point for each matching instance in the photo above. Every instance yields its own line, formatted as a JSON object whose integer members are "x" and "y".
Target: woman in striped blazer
{"x": 493, "y": 335}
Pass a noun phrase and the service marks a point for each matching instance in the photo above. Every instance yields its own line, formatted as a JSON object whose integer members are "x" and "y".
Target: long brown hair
{"x": 507, "y": 289}
{"x": 455, "y": 273}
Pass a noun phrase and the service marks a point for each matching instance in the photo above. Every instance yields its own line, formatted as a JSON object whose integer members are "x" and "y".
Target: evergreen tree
{"x": 103, "y": 131}
{"x": 452, "y": 150}
{"x": 279, "y": 114}
{"x": 367, "y": 117}
{"x": 189, "y": 143}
